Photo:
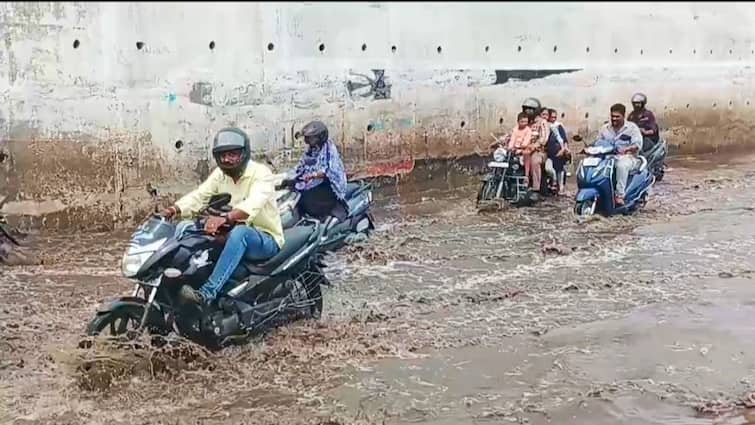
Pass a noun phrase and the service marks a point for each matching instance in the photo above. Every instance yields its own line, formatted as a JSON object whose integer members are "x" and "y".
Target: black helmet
{"x": 315, "y": 132}
{"x": 230, "y": 139}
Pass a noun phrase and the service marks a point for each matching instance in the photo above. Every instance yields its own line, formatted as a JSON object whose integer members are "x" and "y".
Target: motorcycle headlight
{"x": 499, "y": 155}
{"x": 132, "y": 263}
{"x": 515, "y": 167}
{"x": 136, "y": 256}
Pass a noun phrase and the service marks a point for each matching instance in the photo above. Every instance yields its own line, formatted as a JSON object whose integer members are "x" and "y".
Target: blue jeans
{"x": 244, "y": 242}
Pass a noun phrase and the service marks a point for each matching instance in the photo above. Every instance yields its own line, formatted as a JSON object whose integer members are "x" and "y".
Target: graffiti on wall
{"x": 208, "y": 94}
{"x": 364, "y": 86}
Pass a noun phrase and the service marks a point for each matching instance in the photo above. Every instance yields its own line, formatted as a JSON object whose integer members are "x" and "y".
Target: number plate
{"x": 590, "y": 162}
{"x": 494, "y": 164}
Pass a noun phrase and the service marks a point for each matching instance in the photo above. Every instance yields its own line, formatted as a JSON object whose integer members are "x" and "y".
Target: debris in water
{"x": 556, "y": 247}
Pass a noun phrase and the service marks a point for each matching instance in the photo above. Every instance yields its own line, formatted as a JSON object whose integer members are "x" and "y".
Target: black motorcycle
{"x": 506, "y": 181}
{"x": 259, "y": 296}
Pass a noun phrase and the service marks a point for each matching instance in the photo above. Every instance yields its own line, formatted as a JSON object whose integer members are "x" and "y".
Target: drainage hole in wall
{"x": 642, "y": 51}
{"x": 463, "y": 124}
{"x": 518, "y": 48}
{"x": 587, "y": 49}
{"x": 487, "y": 48}
{"x": 76, "y": 44}
{"x": 369, "y": 127}
{"x": 616, "y": 50}
{"x": 587, "y": 115}
{"x": 730, "y": 51}
{"x": 714, "y": 104}
{"x": 711, "y": 51}
{"x": 212, "y": 45}
{"x": 364, "y": 47}
{"x": 670, "y": 51}
{"x": 555, "y": 48}
{"x": 393, "y": 49}
{"x": 139, "y": 45}
{"x": 297, "y": 135}
{"x": 731, "y": 103}
{"x": 500, "y": 121}
{"x": 179, "y": 144}
{"x": 439, "y": 49}
{"x": 270, "y": 47}
{"x": 562, "y": 115}
{"x": 688, "y": 106}
{"x": 321, "y": 47}
{"x": 694, "y": 51}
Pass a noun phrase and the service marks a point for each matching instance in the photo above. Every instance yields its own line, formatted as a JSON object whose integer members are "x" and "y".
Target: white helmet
{"x": 531, "y": 102}
{"x": 639, "y": 98}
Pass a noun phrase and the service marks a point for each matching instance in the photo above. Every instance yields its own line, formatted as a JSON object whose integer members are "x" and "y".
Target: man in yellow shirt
{"x": 252, "y": 191}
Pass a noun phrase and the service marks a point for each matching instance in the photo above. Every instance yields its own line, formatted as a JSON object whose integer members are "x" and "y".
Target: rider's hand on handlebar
{"x": 213, "y": 223}
{"x": 170, "y": 212}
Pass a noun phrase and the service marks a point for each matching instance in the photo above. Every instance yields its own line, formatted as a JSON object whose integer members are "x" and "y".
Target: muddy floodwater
{"x": 446, "y": 316}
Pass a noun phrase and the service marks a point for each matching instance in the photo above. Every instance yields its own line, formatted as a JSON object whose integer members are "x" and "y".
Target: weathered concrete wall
{"x": 99, "y": 99}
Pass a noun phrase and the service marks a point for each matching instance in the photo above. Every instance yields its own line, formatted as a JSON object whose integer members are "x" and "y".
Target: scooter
{"x": 656, "y": 157}
{"x": 596, "y": 181}
{"x": 357, "y": 226}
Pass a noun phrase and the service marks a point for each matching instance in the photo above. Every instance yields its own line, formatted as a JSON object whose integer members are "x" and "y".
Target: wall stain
{"x": 502, "y": 76}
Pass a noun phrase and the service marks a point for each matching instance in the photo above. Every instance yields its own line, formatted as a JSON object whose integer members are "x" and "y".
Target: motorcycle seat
{"x": 295, "y": 238}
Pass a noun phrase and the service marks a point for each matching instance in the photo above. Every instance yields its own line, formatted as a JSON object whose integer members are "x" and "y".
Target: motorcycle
{"x": 162, "y": 257}
{"x": 357, "y": 226}
{"x": 506, "y": 181}
{"x": 596, "y": 182}
{"x": 656, "y": 157}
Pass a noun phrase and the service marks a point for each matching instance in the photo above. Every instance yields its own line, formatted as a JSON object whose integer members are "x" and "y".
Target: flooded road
{"x": 447, "y": 316}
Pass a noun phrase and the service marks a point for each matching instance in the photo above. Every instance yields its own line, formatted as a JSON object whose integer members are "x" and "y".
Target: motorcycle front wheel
{"x": 487, "y": 191}
{"x": 584, "y": 208}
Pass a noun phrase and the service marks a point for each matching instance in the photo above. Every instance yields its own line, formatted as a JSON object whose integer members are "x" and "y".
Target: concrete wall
{"x": 99, "y": 99}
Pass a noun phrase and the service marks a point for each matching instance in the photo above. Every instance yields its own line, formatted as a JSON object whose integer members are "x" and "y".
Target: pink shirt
{"x": 520, "y": 139}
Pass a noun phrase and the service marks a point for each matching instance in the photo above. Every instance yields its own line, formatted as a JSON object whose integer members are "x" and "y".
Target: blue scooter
{"x": 596, "y": 180}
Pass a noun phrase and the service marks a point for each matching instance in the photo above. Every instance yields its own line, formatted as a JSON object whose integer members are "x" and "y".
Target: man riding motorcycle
{"x": 645, "y": 120}
{"x": 627, "y": 139}
{"x": 252, "y": 191}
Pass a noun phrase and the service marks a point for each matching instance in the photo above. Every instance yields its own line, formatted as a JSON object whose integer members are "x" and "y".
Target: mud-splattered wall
{"x": 99, "y": 99}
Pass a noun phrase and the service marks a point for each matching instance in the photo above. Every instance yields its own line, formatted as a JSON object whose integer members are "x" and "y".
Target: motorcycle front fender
{"x": 124, "y": 303}
{"x": 587, "y": 194}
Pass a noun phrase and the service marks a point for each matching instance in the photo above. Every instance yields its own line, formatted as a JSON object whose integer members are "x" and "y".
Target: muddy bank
{"x": 446, "y": 316}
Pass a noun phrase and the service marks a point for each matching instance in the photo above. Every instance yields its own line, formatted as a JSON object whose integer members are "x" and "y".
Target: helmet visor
{"x": 228, "y": 141}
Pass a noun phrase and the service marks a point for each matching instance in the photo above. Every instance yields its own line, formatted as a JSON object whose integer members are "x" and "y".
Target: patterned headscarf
{"x": 323, "y": 158}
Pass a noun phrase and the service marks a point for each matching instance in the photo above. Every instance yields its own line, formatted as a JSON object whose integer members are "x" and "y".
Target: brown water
{"x": 446, "y": 316}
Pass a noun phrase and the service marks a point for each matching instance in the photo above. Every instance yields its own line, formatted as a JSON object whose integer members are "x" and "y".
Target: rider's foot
{"x": 189, "y": 294}
{"x": 619, "y": 200}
